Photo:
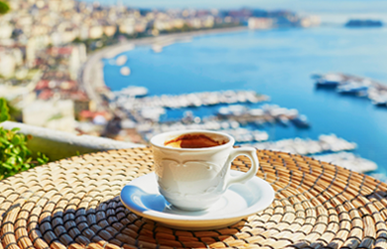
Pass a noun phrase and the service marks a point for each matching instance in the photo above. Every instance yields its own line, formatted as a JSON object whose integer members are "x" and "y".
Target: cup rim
{"x": 230, "y": 142}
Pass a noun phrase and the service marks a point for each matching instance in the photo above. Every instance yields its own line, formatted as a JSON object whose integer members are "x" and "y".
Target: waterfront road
{"x": 91, "y": 75}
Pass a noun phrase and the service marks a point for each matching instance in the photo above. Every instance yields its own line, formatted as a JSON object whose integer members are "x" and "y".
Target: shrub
{"x": 15, "y": 156}
{"x": 4, "y": 8}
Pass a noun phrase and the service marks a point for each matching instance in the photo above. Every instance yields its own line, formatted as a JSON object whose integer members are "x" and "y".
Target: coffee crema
{"x": 193, "y": 141}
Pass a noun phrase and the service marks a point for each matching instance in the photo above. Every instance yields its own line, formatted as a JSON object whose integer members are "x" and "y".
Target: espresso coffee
{"x": 192, "y": 166}
{"x": 193, "y": 141}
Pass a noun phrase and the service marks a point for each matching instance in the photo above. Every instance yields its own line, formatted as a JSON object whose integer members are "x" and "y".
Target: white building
{"x": 20, "y": 96}
{"x": 42, "y": 41}
{"x": 96, "y": 32}
{"x": 12, "y": 92}
{"x": 109, "y": 30}
{"x": 77, "y": 58}
{"x": 18, "y": 56}
{"x": 31, "y": 52}
{"x": 84, "y": 32}
{"x": 56, "y": 38}
{"x": 310, "y": 21}
{"x": 5, "y": 30}
{"x": 7, "y": 64}
{"x": 127, "y": 26}
{"x": 82, "y": 52}
{"x": 260, "y": 23}
{"x": 53, "y": 114}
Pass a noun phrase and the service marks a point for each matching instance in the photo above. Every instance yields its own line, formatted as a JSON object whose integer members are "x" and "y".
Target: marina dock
{"x": 328, "y": 148}
{"x": 188, "y": 100}
{"x": 267, "y": 113}
{"x": 325, "y": 143}
{"x": 144, "y": 114}
{"x": 348, "y": 161}
{"x": 354, "y": 85}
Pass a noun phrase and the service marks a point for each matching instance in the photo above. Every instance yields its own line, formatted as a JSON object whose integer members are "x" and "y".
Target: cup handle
{"x": 250, "y": 153}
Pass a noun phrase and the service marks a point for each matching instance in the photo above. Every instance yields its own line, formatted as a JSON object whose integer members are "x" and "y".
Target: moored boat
{"x": 354, "y": 87}
{"x": 330, "y": 80}
{"x": 301, "y": 121}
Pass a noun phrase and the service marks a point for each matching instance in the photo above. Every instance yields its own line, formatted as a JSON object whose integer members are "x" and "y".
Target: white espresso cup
{"x": 193, "y": 166}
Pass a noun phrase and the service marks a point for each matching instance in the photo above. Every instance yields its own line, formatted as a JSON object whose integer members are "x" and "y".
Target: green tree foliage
{"x": 15, "y": 156}
{"x": 4, "y": 115}
{"x": 8, "y": 112}
{"x": 4, "y": 8}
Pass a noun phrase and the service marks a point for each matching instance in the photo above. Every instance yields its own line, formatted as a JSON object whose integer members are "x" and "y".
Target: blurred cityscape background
{"x": 306, "y": 77}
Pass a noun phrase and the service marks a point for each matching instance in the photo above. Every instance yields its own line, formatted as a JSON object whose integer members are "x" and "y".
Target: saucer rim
{"x": 167, "y": 217}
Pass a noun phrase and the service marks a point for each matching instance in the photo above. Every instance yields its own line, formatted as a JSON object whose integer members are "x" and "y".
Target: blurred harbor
{"x": 144, "y": 113}
{"x": 235, "y": 113}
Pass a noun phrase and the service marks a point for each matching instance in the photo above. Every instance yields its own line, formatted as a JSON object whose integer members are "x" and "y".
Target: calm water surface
{"x": 277, "y": 63}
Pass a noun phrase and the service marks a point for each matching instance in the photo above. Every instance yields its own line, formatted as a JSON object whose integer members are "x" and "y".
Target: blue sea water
{"x": 277, "y": 63}
{"x": 359, "y": 6}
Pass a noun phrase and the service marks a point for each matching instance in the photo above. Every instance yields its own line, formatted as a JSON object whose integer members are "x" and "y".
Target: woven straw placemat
{"x": 74, "y": 203}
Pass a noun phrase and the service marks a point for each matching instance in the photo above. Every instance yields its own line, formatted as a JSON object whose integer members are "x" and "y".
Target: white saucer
{"x": 142, "y": 197}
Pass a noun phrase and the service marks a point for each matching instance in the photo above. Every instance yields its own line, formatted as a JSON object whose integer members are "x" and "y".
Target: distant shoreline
{"x": 92, "y": 79}
{"x": 154, "y": 39}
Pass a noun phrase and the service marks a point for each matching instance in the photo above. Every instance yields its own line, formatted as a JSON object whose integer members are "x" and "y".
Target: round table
{"x": 74, "y": 203}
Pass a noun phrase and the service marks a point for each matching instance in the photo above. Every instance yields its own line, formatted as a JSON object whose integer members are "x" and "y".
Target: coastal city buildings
{"x": 44, "y": 44}
{"x": 49, "y": 68}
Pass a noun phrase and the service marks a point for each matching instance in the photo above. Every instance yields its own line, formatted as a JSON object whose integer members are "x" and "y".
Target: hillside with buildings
{"x": 45, "y": 43}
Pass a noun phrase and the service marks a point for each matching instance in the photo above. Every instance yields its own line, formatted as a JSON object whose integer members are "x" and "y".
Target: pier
{"x": 348, "y": 161}
{"x": 325, "y": 143}
{"x": 267, "y": 113}
{"x": 328, "y": 148}
{"x": 354, "y": 85}
{"x": 145, "y": 113}
{"x": 188, "y": 100}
